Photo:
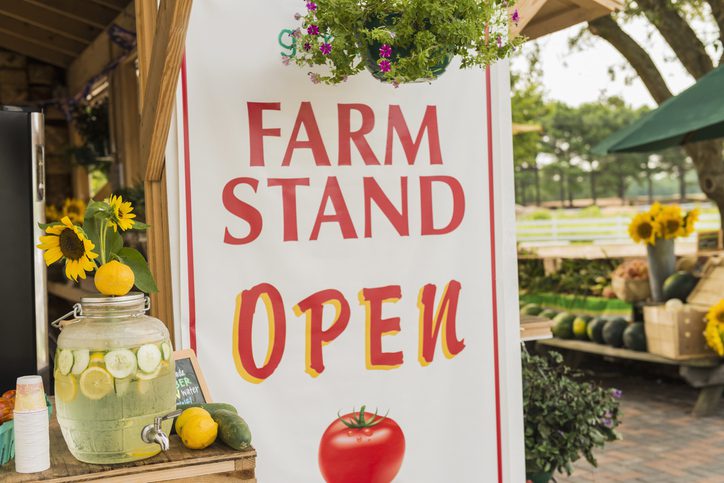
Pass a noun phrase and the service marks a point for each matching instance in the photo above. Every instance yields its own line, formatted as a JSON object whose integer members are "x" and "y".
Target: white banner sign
{"x": 349, "y": 245}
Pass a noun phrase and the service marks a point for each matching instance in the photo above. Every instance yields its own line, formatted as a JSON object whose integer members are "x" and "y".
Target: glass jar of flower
{"x": 658, "y": 228}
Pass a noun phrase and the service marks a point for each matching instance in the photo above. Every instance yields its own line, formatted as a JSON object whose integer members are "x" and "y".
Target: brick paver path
{"x": 661, "y": 442}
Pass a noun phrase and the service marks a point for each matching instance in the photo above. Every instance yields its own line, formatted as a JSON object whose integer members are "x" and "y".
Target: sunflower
{"x": 713, "y": 338}
{"x": 690, "y": 220}
{"x": 122, "y": 217}
{"x": 671, "y": 221}
{"x": 655, "y": 209}
{"x": 643, "y": 228}
{"x": 74, "y": 209}
{"x": 67, "y": 241}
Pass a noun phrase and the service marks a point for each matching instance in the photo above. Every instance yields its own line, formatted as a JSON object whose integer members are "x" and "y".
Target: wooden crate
{"x": 680, "y": 335}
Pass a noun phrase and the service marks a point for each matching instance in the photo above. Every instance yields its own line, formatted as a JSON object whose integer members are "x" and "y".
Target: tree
{"x": 672, "y": 19}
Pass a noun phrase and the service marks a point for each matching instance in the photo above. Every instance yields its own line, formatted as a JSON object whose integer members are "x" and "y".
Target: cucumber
{"x": 81, "y": 359}
{"x": 147, "y": 376}
{"x": 149, "y": 358}
{"x": 166, "y": 350}
{"x": 65, "y": 361}
{"x": 210, "y": 407}
{"x": 121, "y": 363}
{"x": 233, "y": 430}
{"x": 121, "y": 386}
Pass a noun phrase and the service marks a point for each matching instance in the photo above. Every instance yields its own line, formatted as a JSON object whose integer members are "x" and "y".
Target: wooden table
{"x": 705, "y": 374}
{"x": 217, "y": 463}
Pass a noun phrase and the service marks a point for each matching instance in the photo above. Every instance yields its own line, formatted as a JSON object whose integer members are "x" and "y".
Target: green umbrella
{"x": 697, "y": 114}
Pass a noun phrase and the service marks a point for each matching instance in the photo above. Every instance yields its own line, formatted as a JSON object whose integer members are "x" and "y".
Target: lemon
{"x": 199, "y": 432}
{"x": 114, "y": 278}
{"x": 96, "y": 383}
{"x": 188, "y": 414}
{"x": 96, "y": 359}
{"x": 66, "y": 387}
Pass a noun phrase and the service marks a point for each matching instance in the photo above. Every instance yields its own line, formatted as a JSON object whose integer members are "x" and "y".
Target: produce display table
{"x": 705, "y": 374}
{"x": 217, "y": 463}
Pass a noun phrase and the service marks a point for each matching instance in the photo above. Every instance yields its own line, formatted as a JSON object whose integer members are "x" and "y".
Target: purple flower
{"x": 499, "y": 40}
{"x": 311, "y": 6}
{"x": 607, "y": 422}
{"x": 395, "y": 84}
{"x": 297, "y": 33}
{"x": 313, "y": 30}
{"x": 307, "y": 46}
{"x": 325, "y": 48}
{"x": 385, "y": 51}
{"x": 385, "y": 65}
{"x": 515, "y": 17}
{"x": 297, "y": 16}
{"x": 617, "y": 393}
{"x": 285, "y": 59}
{"x": 314, "y": 78}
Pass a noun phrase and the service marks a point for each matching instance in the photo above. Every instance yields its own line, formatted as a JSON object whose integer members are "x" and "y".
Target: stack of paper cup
{"x": 32, "y": 432}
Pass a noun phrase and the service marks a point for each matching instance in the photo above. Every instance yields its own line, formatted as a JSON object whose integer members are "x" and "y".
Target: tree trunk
{"x": 537, "y": 186}
{"x": 562, "y": 188}
{"x": 650, "y": 183}
{"x": 622, "y": 188}
{"x": 681, "y": 171}
{"x": 593, "y": 187}
{"x": 707, "y": 155}
{"x": 570, "y": 191}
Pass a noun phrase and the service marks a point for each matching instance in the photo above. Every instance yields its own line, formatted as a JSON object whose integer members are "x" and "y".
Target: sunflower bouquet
{"x": 662, "y": 222}
{"x": 714, "y": 332}
{"x": 97, "y": 245}
{"x": 73, "y": 208}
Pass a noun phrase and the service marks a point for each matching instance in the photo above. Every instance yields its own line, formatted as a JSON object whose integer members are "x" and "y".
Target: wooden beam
{"x": 21, "y": 46}
{"x": 97, "y": 55}
{"x": 145, "y": 28}
{"x": 85, "y": 12}
{"x": 40, "y": 41}
{"x": 46, "y": 37}
{"x": 117, "y": 5}
{"x": 158, "y": 100}
{"x": 557, "y": 15}
{"x": 47, "y": 20}
{"x": 527, "y": 10}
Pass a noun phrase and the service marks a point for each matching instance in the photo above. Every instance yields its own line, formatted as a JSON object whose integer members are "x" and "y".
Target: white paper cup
{"x": 32, "y": 441}
{"x": 29, "y": 394}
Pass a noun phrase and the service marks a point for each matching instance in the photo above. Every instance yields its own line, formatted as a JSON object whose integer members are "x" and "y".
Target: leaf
{"x": 45, "y": 226}
{"x": 114, "y": 243}
{"x": 92, "y": 228}
{"x": 97, "y": 208}
{"x": 144, "y": 278}
{"x": 139, "y": 225}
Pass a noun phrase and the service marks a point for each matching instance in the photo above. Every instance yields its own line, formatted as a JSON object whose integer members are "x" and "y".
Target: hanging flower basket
{"x": 400, "y": 41}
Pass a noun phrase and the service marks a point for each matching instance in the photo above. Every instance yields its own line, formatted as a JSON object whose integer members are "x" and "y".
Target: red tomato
{"x": 360, "y": 447}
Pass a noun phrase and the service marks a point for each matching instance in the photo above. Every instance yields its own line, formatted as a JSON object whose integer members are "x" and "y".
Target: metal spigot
{"x": 153, "y": 433}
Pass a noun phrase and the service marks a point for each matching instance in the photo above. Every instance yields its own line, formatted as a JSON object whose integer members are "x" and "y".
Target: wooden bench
{"x": 217, "y": 463}
{"x": 705, "y": 374}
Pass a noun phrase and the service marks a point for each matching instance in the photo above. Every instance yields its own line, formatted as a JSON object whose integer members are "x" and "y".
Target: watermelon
{"x": 531, "y": 309}
{"x": 594, "y": 330}
{"x": 634, "y": 337}
{"x": 563, "y": 327}
{"x": 679, "y": 286}
{"x": 580, "y": 326}
{"x": 548, "y": 313}
{"x": 613, "y": 332}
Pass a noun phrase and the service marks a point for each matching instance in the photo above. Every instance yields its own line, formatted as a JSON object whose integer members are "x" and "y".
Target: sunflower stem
{"x": 103, "y": 233}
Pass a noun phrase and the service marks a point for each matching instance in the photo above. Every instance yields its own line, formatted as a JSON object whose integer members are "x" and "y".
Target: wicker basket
{"x": 631, "y": 290}
{"x": 7, "y": 437}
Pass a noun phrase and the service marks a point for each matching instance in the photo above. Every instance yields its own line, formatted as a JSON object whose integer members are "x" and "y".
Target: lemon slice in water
{"x": 66, "y": 387}
{"x": 96, "y": 383}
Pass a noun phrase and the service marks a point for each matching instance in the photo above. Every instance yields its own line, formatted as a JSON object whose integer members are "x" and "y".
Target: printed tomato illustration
{"x": 361, "y": 447}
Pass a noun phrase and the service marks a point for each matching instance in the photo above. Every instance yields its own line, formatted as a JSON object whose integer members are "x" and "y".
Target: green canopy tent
{"x": 697, "y": 114}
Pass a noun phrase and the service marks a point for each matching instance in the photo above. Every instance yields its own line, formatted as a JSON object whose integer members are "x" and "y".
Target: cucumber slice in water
{"x": 121, "y": 386}
{"x": 166, "y": 349}
{"x": 121, "y": 363}
{"x": 81, "y": 358}
{"x": 143, "y": 376}
{"x": 65, "y": 361}
{"x": 149, "y": 358}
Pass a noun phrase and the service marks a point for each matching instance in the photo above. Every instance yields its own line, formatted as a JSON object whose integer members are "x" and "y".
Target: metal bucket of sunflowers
{"x": 113, "y": 368}
{"x": 658, "y": 228}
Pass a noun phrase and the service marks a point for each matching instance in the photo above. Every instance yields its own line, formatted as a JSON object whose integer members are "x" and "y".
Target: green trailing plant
{"x": 574, "y": 276}
{"x": 400, "y": 40}
{"x": 565, "y": 418}
{"x": 91, "y": 122}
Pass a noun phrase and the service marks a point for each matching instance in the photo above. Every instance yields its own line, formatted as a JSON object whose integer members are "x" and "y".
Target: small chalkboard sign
{"x": 190, "y": 383}
{"x": 708, "y": 241}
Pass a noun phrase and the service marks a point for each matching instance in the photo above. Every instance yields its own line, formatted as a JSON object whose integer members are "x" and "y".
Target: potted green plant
{"x": 400, "y": 41}
{"x": 565, "y": 418}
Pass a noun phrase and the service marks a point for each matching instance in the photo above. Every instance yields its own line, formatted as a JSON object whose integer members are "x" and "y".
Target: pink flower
{"x": 499, "y": 40}
{"x": 385, "y": 51}
{"x": 285, "y": 59}
{"x": 311, "y": 6}
{"x": 297, "y": 16}
{"x": 385, "y": 65}
{"x": 307, "y": 46}
{"x": 515, "y": 17}
{"x": 325, "y": 48}
{"x": 314, "y": 30}
{"x": 314, "y": 78}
